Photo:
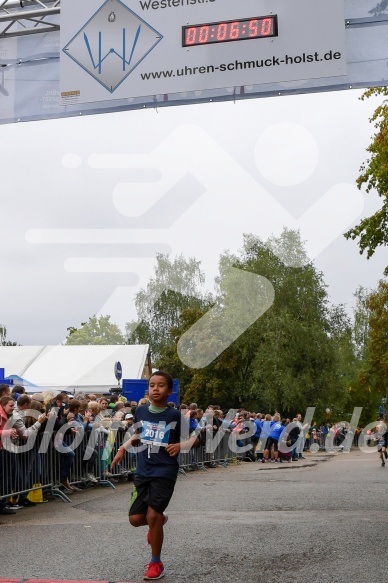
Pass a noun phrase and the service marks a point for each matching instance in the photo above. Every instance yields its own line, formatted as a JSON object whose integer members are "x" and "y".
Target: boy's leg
{"x": 138, "y": 520}
{"x": 160, "y": 493}
{"x": 150, "y": 497}
{"x": 138, "y": 505}
{"x": 155, "y": 521}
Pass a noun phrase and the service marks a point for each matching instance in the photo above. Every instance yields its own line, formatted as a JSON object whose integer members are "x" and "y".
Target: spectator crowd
{"x": 55, "y": 422}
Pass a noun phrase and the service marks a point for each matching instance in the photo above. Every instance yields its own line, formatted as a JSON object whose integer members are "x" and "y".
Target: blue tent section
{"x": 135, "y": 389}
{"x": 14, "y": 379}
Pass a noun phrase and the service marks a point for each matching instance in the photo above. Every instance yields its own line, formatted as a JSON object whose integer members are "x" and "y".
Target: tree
{"x": 361, "y": 327}
{"x": 3, "y": 333}
{"x": 380, "y": 9}
{"x": 218, "y": 382}
{"x": 287, "y": 359}
{"x": 3, "y": 337}
{"x": 295, "y": 357}
{"x": 373, "y": 231}
{"x": 175, "y": 288}
{"x": 95, "y": 331}
{"x": 378, "y": 339}
{"x": 346, "y": 362}
{"x": 371, "y": 349}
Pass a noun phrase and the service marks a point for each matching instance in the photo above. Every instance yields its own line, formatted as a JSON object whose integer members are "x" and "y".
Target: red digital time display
{"x": 229, "y": 31}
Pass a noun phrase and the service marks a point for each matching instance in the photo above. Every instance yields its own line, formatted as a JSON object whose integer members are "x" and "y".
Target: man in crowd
{"x": 300, "y": 443}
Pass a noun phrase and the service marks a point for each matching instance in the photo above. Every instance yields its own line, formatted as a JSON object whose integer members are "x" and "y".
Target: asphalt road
{"x": 324, "y": 522}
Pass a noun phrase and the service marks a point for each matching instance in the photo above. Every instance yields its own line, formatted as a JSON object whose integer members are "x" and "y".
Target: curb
{"x": 294, "y": 465}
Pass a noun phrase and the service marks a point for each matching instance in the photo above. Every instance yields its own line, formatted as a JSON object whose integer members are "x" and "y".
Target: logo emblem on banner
{"x": 112, "y": 44}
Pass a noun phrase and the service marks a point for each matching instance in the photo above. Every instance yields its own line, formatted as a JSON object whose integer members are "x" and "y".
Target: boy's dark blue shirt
{"x": 163, "y": 427}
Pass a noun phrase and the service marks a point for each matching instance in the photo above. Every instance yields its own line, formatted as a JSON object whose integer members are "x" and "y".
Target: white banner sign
{"x": 115, "y": 50}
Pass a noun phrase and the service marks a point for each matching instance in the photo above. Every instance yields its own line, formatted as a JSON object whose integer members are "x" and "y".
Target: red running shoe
{"x": 154, "y": 571}
{"x": 165, "y": 518}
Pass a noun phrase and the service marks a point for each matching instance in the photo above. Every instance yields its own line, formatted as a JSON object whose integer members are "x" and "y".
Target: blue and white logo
{"x": 112, "y": 44}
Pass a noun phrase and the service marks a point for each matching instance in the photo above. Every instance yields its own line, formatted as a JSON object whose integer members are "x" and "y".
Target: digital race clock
{"x": 231, "y": 30}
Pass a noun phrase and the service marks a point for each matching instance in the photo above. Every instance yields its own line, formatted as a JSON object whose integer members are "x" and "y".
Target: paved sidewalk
{"x": 221, "y": 521}
{"x": 309, "y": 460}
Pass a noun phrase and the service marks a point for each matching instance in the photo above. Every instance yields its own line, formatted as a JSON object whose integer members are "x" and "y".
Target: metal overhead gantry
{"x": 24, "y": 17}
{"x": 152, "y": 59}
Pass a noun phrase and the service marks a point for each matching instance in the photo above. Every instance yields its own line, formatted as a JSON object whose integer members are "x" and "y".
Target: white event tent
{"x": 79, "y": 368}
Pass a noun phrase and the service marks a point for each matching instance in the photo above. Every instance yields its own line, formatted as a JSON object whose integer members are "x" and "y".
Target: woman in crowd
{"x": 193, "y": 425}
{"x": 96, "y": 415}
{"x": 144, "y": 401}
{"x": 256, "y": 437}
{"x": 265, "y": 431}
{"x": 103, "y": 403}
{"x": 271, "y": 449}
{"x": 7, "y": 461}
{"x": 33, "y": 469}
{"x": 286, "y": 454}
{"x": 238, "y": 429}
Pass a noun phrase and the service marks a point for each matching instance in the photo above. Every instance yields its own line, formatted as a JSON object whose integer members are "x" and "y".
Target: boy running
{"x": 381, "y": 438}
{"x": 159, "y": 433}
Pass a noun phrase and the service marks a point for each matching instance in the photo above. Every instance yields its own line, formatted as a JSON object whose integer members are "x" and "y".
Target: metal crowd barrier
{"x": 86, "y": 462}
{"x": 213, "y": 451}
{"x": 24, "y": 470}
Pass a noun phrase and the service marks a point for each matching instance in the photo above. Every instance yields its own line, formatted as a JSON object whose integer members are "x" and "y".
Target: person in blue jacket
{"x": 265, "y": 431}
{"x": 256, "y": 438}
{"x": 273, "y": 440}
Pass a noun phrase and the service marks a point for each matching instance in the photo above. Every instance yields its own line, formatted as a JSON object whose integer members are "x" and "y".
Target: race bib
{"x": 155, "y": 433}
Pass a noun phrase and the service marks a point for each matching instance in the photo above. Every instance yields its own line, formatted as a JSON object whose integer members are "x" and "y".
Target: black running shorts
{"x": 272, "y": 442}
{"x": 150, "y": 492}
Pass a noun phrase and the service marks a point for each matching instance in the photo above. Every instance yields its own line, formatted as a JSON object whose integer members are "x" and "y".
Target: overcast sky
{"x": 87, "y": 202}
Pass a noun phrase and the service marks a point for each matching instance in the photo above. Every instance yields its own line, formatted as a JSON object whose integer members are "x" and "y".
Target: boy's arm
{"x": 174, "y": 448}
{"x": 133, "y": 440}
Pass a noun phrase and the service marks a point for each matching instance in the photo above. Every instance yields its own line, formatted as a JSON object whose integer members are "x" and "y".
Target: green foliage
{"x": 295, "y": 357}
{"x": 377, "y": 303}
{"x": 373, "y": 231}
{"x": 361, "y": 326}
{"x": 361, "y": 394}
{"x": 175, "y": 288}
{"x": 371, "y": 349}
{"x": 298, "y": 354}
{"x": 95, "y": 331}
